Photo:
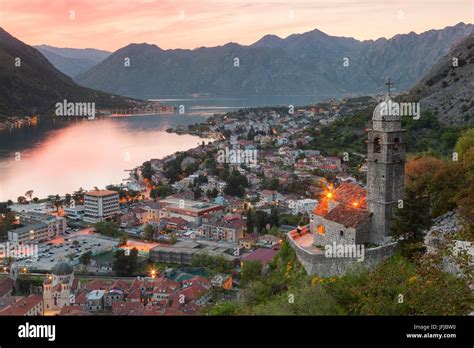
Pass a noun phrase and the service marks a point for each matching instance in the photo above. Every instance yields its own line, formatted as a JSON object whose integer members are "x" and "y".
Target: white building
{"x": 75, "y": 211}
{"x": 38, "y": 231}
{"x": 302, "y": 206}
{"x": 100, "y": 205}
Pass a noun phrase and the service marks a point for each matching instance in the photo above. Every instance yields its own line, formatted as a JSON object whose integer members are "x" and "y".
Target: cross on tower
{"x": 389, "y": 84}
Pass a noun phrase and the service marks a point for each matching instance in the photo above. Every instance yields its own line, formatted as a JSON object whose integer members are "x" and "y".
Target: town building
{"x": 60, "y": 288}
{"x": 189, "y": 210}
{"x": 218, "y": 229}
{"x": 100, "y": 205}
{"x": 26, "y": 306}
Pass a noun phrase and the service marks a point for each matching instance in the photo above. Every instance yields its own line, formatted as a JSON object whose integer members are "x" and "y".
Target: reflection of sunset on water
{"x": 86, "y": 154}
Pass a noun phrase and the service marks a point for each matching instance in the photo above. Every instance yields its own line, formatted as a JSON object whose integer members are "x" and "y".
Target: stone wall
{"x": 319, "y": 264}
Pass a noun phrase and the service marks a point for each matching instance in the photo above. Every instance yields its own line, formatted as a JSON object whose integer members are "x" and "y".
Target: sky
{"x": 112, "y": 24}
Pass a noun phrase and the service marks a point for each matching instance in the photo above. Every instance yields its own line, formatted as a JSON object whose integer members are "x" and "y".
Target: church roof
{"x": 344, "y": 211}
{"x": 62, "y": 268}
{"x": 347, "y": 193}
{"x": 348, "y": 216}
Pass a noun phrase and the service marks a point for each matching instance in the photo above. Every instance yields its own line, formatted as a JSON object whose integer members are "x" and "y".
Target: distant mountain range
{"x": 447, "y": 89}
{"x": 302, "y": 64}
{"x": 31, "y": 84}
{"x": 73, "y": 61}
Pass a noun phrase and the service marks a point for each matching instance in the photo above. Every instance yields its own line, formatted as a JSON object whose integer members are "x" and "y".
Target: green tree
{"x": 409, "y": 223}
{"x": 149, "y": 232}
{"x": 85, "y": 259}
{"x": 251, "y": 271}
{"x": 125, "y": 265}
{"x": 107, "y": 228}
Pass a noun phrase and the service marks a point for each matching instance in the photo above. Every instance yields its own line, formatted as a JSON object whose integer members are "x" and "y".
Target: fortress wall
{"x": 319, "y": 264}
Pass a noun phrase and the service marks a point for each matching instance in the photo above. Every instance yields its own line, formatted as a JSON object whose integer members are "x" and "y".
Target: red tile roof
{"x": 101, "y": 193}
{"x": 263, "y": 255}
{"x": 348, "y": 193}
{"x": 6, "y": 286}
{"x": 348, "y": 216}
{"x": 74, "y": 311}
{"x": 23, "y": 306}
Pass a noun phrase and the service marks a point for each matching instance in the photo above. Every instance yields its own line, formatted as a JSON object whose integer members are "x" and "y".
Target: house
{"x": 248, "y": 241}
{"x": 95, "y": 300}
{"x": 263, "y": 255}
{"x": 140, "y": 215}
{"x": 218, "y": 229}
{"x": 27, "y": 306}
{"x": 268, "y": 241}
{"x": 126, "y": 220}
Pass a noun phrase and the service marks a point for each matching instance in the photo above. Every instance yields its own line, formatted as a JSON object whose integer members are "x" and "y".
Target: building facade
{"x": 100, "y": 205}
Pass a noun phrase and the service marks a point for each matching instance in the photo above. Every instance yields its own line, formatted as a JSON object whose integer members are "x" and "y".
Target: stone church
{"x": 351, "y": 214}
{"x": 59, "y": 287}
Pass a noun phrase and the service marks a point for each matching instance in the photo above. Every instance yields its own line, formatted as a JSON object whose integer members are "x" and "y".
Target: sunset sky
{"x": 112, "y": 24}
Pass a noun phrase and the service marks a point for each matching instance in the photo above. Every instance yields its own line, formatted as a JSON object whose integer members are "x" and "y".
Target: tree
{"x": 149, "y": 232}
{"x": 85, "y": 259}
{"x": 106, "y": 228}
{"x": 250, "y": 223}
{"x": 251, "y": 271}
{"x": 409, "y": 223}
{"x": 465, "y": 142}
{"x": 78, "y": 196}
{"x": 124, "y": 265}
{"x": 123, "y": 240}
{"x": 22, "y": 200}
{"x": 147, "y": 170}
{"x": 197, "y": 193}
{"x": 29, "y": 194}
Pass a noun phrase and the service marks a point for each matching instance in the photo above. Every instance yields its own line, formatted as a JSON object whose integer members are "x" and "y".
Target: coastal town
{"x": 190, "y": 220}
{"x": 185, "y": 234}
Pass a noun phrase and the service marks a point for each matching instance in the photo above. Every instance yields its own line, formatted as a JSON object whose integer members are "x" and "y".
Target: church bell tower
{"x": 385, "y": 167}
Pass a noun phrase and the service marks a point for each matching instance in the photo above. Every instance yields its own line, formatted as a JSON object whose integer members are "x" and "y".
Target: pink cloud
{"x": 111, "y": 24}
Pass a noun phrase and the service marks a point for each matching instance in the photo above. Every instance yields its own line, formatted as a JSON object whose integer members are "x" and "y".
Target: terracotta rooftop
{"x": 348, "y": 193}
{"x": 6, "y": 286}
{"x": 348, "y": 216}
{"x": 263, "y": 255}
{"x": 101, "y": 193}
{"x": 23, "y": 306}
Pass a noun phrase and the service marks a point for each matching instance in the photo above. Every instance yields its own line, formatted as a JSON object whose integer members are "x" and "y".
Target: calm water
{"x": 210, "y": 105}
{"x": 58, "y": 157}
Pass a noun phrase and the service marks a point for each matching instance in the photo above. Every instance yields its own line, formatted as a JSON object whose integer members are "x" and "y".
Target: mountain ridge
{"x": 23, "y": 72}
{"x": 303, "y": 64}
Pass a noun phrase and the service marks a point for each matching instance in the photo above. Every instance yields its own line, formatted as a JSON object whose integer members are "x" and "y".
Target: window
{"x": 321, "y": 230}
{"x": 377, "y": 145}
{"x": 396, "y": 145}
{"x": 341, "y": 233}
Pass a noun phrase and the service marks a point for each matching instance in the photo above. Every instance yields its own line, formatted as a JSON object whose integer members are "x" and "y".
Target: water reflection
{"x": 60, "y": 158}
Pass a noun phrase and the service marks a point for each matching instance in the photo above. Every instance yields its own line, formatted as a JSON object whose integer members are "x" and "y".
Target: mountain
{"x": 73, "y": 61}
{"x": 301, "y": 64}
{"x": 35, "y": 86}
{"x": 446, "y": 90}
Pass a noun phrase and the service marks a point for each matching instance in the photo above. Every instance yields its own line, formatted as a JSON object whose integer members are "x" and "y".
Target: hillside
{"x": 446, "y": 90}
{"x": 72, "y": 61}
{"x": 35, "y": 86}
{"x": 302, "y": 64}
